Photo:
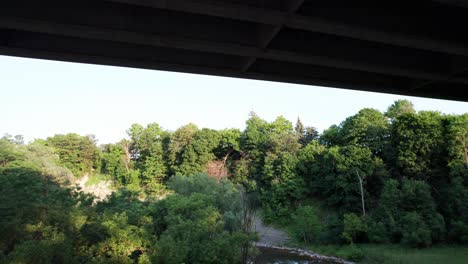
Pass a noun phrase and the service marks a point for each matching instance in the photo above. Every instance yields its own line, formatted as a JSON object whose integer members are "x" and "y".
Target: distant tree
{"x": 355, "y": 228}
{"x": 254, "y": 137}
{"x": 17, "y": 139}
{"x": 368, "y": 128}
{"x": 77, "y": 153}
{"x": 281, "y": 125}
{"x": 229, "y": 144}
{"x": 191, "y": 149}
{"x": 454, "y": 207}
{"x": 398, "y": 108}
{"x": 281, "y": 187}
{"x": 307, "y": 225}
{"x": 457, "y": 145}
{"x": 332, "y": 136}
{"x": 9, "y": 152}
{"x": 310, "y": 134}
{"x": 134, "y": 133}
{"x": 253, "y": 143}
{"x": 390, "y": 199}
{"x": 114, "y": 162}
{"x": 416, "y": 144}
{"x": 125, "y": 239}
{"x": 403, "y": 208}
{"x": 310, "y": 164}
{"x": 299, "y": 128}
{"x": 203, "y": 222}
{"x": 415, "y": 231}
{"x": 179, "y": 141}
{"x": 305, "y": 134}
{"x": 242, "y": 174}
{"x": 49, "y": 163}
{"x": 144, "y": 158}
{"x": 331, "y": 174}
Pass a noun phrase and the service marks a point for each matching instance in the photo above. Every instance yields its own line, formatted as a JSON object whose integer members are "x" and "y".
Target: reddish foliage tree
{"x": 216, "y": 169}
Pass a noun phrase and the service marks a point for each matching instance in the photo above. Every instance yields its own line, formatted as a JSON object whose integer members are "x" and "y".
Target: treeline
{"x": 394, "y": 177}
{"x": 413, "y": 167}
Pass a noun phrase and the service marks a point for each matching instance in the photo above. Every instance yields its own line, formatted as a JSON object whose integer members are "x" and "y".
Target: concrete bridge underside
{"x": 417, "y": 47}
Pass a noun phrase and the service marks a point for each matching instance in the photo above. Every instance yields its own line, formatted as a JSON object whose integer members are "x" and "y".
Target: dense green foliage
{"x": 307, "y": 224}
{"x": 44, "y": 220}
{"x": 77, "y": 153}
{"x": 394, "y": 177}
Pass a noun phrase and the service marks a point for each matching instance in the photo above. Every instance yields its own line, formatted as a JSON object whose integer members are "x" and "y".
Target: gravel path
{"x": 277, "y": 239}
{"x": 269, "y": 235}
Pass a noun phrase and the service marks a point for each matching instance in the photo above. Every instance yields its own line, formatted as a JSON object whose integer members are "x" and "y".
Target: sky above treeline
{"x": 40, "y": 98}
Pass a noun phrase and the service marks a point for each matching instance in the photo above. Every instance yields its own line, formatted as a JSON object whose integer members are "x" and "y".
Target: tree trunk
{"x": 362, "y": 194}
{"x": 126, "y": 146}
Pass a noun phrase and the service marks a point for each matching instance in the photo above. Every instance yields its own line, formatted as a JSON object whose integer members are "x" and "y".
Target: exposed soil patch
{"x": 100, "y": 190}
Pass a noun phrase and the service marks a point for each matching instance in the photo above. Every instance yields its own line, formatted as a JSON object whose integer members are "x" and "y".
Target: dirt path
{"x": 82, "y": 181}
{"x": 269, "y": 235}
{"x": 277, "y": 239}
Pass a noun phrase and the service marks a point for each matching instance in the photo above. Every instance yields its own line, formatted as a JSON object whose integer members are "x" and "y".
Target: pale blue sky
{"x": 41, "y": 98}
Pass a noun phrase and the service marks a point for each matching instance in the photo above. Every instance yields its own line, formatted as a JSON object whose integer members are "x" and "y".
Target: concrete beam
{"x": 278, "y": 18}
{"x": 89, "y": 32}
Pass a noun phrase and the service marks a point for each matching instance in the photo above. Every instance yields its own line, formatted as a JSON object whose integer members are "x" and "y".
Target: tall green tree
{"x": 191, "y": 149}
{"x": 398, "y": 108}
{"x": 299, "y": 128}
{"x": 417, "y": 144}
{"x": 332, "y": 136}
{"x": 457, "y": 145}
{"x": 77, "y": 153}
{"x": 332, "y": 174}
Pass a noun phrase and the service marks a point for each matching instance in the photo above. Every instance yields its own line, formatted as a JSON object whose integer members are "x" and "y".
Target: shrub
{"x": 460, "y": 232}
{"x": 355, "y": 227}
{"x": 306, "y": 224}
{"x": 437, "y": 226}
{"x": 415, "y": 231}
{"x": 332, "y": 231}
{"x": 352, "y": 253}
{"x": 378, "y": 232}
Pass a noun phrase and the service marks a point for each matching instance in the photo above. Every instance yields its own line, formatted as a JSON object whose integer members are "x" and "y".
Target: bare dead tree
{"x": 362, "y": 193}
{"x": 248, "y": 216}
{"x": 126, "y": 147}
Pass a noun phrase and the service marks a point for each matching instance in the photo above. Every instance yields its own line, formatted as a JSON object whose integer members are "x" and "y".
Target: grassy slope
{"x": 95, "y": 178}
{"x": 384, "y": 254}
{"x": 395, "y": 254}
